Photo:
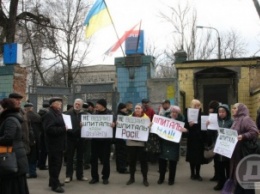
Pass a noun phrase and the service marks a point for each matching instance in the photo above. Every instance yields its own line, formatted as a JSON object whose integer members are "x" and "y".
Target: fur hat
{"x": 102, "y": 102}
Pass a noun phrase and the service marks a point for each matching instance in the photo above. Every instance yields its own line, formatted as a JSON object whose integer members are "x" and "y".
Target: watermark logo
{"x": 248, "y": 172}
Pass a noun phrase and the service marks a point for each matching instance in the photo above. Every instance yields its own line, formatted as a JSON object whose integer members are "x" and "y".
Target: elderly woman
{"x": 136, "y": 150}
{"x": 195, "y": 143}
{"x": 11, "y": 135}
{"x": 247, "y": 131}
{"x": 170, "y": 151}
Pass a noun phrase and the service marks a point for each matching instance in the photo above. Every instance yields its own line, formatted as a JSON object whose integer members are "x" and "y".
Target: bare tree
{"x": 183, "y": 20}
{"x": 66, "y": 40}
{"x": 9, "y": 18}
{"x": 233, "y": 45}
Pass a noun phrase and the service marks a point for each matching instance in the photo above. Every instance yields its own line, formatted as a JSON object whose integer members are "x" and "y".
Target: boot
{"x": 161, "y": 179}
{"x": 131, "y": 180}
{"x": 145, "y": 182}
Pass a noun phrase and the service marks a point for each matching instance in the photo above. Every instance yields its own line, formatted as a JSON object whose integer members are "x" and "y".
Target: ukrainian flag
{"x": 97, "y": 18}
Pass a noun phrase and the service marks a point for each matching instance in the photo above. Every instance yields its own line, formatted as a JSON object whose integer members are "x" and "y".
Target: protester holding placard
{"x": 247, "y": 131}
{"x": 120, "y": 145}
{"x": 75, "y": 144}
{"x": 170, "y": 151}
{"x": 136, "y": 150}
{"x": 100, "y": 147}
{"x": 195, "y": 142}
{"x": 222, "y": 162}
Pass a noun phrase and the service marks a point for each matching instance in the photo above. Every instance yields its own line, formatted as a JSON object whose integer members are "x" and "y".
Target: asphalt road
{"x": 117, "y": 182}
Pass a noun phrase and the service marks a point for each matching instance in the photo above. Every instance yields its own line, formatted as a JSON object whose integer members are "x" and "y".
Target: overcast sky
{"x": 224, "y": 15}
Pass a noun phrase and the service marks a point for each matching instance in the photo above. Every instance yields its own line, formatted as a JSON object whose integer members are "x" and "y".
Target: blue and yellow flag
{"x": 97, "y": 18}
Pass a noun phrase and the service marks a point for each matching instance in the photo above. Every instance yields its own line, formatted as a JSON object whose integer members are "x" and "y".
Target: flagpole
{"x": 138, "y": 36}
{"x": 114, "y": 27}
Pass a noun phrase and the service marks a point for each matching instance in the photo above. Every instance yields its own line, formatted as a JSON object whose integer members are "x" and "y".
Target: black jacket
{"x": 75, "y": 132}
{"x": 11, "y": 134}
{"x": 55, "y": 130}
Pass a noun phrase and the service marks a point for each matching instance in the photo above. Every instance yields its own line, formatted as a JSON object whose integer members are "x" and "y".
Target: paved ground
{"x": 117, "y": 184}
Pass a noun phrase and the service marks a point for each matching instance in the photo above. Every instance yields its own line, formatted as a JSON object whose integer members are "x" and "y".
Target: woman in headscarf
{"x": 247, "y": 131}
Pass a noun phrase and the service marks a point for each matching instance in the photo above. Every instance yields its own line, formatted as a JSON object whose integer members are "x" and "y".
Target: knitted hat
{"x": 53, "y": 99}
{"x": 102, "y": 102}
{"x": 121, "y": 106}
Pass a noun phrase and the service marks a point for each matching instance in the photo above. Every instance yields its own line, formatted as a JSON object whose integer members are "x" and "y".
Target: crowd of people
{"x": 38, "y": 137}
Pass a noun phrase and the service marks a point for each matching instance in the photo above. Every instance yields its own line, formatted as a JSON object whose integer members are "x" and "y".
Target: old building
{"x": 226, "y": 80}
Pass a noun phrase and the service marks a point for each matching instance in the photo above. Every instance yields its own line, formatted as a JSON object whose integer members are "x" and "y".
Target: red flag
{"x": 123, "y": 38}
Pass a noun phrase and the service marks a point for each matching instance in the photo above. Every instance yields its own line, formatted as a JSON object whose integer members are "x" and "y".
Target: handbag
{"x": 153, "y": 144}
{"x": 250, "y": 147}
{"x": 8, "y": 163}
{"x": 208, "y": 152}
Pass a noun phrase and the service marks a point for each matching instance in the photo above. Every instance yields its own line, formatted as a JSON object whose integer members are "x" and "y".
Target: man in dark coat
{"x": 35, "y": 124}
{"x": 55, "y": 133}
{"x": 75, "y": 142}
{"x": 42, "y": 144}
{"x": 101, "y": 148}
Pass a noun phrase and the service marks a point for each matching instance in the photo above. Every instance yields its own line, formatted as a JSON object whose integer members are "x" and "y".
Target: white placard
{"x": 167, "y": 128}
{"x": 226, "y": 142}
{"x": 213, "y": 121}
{"x": 96, "y": 126}
{"x": 193, "y": 115}
{"x": 67, "y": 121}
{"x": 204, "y": 120}
{"x": 133, "y": 128}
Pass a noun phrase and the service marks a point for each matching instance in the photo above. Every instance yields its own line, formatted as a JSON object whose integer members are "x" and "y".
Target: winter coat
{"x": 35, "y": 124}
{"x": 224, "y": 123}
{"x": 195, "y": 141}
{"x": 170, "y": 150}
{"x": 55, "y": 131}
{"x": 75, "y": 132}
{"x": 246, "y": 127}
{"x": 11, "y": 135}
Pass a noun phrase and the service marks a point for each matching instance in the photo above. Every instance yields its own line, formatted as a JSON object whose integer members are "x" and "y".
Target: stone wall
{"x": 13, "y": 79}
{"x": 255, "y": 103}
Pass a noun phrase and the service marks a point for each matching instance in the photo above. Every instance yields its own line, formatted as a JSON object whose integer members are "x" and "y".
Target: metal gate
{"x": 88, "y": 92}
